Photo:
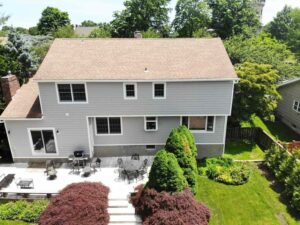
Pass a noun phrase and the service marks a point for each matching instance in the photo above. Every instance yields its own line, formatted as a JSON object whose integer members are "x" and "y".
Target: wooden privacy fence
{"x": 255, "y": 134}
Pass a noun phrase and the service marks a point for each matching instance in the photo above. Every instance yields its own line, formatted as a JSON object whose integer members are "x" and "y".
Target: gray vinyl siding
{"x": 134, "y": 133}
{"x": 182, "y": 98}
{"x": 106, "y": 99}
{"x": 289, "y": 93}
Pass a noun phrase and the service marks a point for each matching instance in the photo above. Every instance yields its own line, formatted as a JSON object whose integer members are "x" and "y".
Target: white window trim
{"x": 200, "y": 131}
{"x": 109, "y": 134}
{"x": 153, "y": 90}
{"x": 298, "y": 109}
{"x": 145, "y": 123}
{"x": 135, "y": 91}
{"x": 31, "y": 143}
{"x": 71, "y": 102}
{"x": 150, "y": 149}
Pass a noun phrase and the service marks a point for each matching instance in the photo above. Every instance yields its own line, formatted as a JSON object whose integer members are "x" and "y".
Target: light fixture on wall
{"x": 8, "y": 131}
{"x": 57, "y": 131}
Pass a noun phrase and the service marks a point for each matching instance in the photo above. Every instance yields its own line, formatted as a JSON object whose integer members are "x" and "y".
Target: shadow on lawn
{"x": 278, "y": 188}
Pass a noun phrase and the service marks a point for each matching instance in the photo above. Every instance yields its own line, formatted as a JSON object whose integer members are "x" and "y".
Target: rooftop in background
{"x": 24, "y": 104}
{"x": 136, "y": 59}
{"x": 83, "y": 31}
{"x": 287, "y": 82}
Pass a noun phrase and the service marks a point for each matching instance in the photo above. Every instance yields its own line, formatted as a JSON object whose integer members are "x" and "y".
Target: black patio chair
{"x": 131, "y": 175}
{"x": 121, "y": 168}
{"x": 135, "y": 157}
{"x": 143, "y": 169}
{"x": 49, "y": 165}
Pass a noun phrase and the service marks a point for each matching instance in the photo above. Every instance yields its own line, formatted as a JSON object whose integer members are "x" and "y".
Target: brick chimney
{"x": 9, "y": 85}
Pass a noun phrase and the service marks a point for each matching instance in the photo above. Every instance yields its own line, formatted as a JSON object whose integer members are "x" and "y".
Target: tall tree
{"x": 140, "y": 15}
{"x": 51, "y": 20}
{"x": 286, "y": 27}
{"x": 3, "y": 18}
{"x": 256, "y": 92}
{"x": 263, "y": 49}
{"x": 233, "y": 17}
{"x": 88, "y": 23}
{"x": 191, "y": 16}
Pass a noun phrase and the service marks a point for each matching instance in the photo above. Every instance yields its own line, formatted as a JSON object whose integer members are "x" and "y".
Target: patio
{"x": 107, "y": 174}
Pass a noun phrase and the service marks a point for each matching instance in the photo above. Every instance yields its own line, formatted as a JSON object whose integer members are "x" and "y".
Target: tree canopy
{"x": 3, "y": 18}
{"x": 263, "y": 49}
{"x": 52, "y": 19}
{"x": 286, "y": 27}
{"x": 140, "y": 15}
{"x": 191, "y": 15}
{"x": 100, "y": 33}
{"x": 233, "y": 17}
{"x": 256, "y": 92}
{"x": 88, "y": 23}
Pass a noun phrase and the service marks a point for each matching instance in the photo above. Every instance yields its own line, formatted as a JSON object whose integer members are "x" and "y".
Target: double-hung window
{"x": 108, "y": 125}
{"x": 296, "y": 106}
{"x": 151, "y": 124}
{"x": 130, "y": 91}
{"x": 199, "y": 123}
{"x": 71, "y": 93}
{"x": 159, "y": 90}
{"x": 43, "y": 141}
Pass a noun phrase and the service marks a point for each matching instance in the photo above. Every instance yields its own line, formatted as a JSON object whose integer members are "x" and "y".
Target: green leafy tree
{"x": 166, "y": 174}
{"x": 255, "y": 93}
{"x": 100, "y": 33}
{"x": 204, "y": 33}
{"x": 286, "y": 27}
{"x": 140, "y": 15}
{"x": 88, "y": 23}
{"x": 191, "y": 15}
{"x": 233, "y": 17}
{"x": 52, "y": 19}
{"x": 33, "y": 31}
{"x": 3, "y": 18}
{"x": 150, "y": 33}
{"x": 64, "y": 32}
{"x": 183, "y": 147}
{"x": 263, "y": 49}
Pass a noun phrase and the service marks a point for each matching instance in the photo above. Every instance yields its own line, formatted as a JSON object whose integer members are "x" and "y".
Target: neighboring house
{"x": 84, "y": 31}
{"x": 116, "y": 97}
{"x": 289, "y": 107}
{"x": 259, "y": 6}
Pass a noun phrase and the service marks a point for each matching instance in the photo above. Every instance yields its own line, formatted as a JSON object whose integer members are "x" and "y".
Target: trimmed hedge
{"x": 224, "y": 170}
{"x": 182, "y": 144}
{"x": 286, "y": 170}
{"x": 79, "y": 203}
{"x": 23, "y": 210}
{"x": 162, "y": 208}
{"x": 165, "y": 173}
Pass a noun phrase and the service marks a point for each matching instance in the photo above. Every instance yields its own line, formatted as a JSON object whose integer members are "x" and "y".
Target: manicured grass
{"x": 243, "y": 150}
{"x": 7, "y": 222}
{"x": 277, "y": 129}
{"x": 253, "y": 203}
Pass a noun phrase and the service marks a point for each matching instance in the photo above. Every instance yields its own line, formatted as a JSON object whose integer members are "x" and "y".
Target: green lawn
{"x": 277, "y": 129}
{"x": 254, "y": 203}
{"x": 243, "y": 150}
{"x": 6, "y": 222}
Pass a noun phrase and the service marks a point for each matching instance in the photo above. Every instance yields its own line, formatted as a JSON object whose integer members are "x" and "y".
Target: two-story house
{"x": 116, "y": 97}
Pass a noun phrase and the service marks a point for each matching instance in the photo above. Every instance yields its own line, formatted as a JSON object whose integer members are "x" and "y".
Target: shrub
{"x": 182, "y": 145}
{"x": 80, "y": 203}
{"x": 12, "y": 210}
{"x": 224, "y": 170}
{"x": 165, "y": 174}
{"x": 32, "y": 213}
{"x": 162, "y": 208}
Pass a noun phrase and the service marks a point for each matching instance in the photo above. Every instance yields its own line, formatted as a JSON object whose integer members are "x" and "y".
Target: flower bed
{"x": 81, "y": 203}
{"x": 163, "y": 208}
{"x": 224, "y": 170}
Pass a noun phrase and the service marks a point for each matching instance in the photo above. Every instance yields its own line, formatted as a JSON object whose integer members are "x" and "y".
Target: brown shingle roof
{"x": 25, "y": 103}
{"x": 126, "y": 59}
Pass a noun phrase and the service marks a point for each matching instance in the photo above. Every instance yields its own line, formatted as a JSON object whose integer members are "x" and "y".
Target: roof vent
{"x": 146, "y": 70}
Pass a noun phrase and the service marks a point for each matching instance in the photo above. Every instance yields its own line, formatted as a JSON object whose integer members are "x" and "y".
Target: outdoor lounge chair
{"x": 143, "y": 169}
{"x": 6, "y": 180}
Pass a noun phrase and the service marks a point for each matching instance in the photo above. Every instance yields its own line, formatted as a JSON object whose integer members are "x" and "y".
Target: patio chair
{"x": 49, "y": 165}
{"x": 121, "y": 168}
{"x": 6, "y": 180}
{"x": 95, "y": 163}
{"x": 52, "y": 173}
{"x": 143, "y": 169}
{"x": 86, "y": 171}
{"x": 131, "y": 175}
{"x": 135, "y": 156}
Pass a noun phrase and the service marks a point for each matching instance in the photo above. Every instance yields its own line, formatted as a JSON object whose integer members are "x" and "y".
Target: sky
{"x": 26, "y": 13}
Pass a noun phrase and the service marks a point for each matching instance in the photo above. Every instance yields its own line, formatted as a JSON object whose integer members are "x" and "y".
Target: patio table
{"x": 132, "y": 165}
{"x": 25, "y": 183}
